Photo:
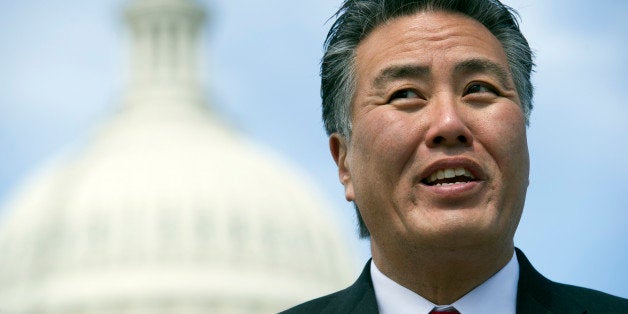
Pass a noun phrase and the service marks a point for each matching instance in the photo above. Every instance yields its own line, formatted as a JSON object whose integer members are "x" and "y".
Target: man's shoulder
{"x": 537, "y": 293}
{"x": 318, "y": 305}
{"x": 594, "y": 301}
{"x": 358, "y": 298}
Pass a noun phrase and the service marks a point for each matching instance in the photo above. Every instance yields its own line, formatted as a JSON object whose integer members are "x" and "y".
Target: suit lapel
{"x": 533, "y": 295}
{"x": 537, "y": 294}
{"x": 367, "y": 304}
{"x": 526, "y": 303}
{"x": 359, "y": 298}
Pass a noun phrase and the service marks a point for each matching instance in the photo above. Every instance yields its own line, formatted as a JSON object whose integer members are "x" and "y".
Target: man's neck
{"x": 442, "y": 276}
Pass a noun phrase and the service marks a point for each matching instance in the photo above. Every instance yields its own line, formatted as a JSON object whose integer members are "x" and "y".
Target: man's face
{"x": 438, "y": 154}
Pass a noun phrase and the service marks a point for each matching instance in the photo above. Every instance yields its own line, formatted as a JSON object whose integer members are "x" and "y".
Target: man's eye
{"x": 404, "y": 93}
{"x": 480, "y": 88}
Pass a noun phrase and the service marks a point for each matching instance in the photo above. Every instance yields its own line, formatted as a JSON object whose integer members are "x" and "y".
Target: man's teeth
{"x": 449, "y": 174}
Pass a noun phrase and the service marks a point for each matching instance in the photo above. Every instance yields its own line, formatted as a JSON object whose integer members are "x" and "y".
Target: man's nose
{"x": 448, "y": 125}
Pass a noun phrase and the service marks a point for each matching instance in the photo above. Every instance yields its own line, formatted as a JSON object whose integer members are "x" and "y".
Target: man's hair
{"x": 357, "y": 18}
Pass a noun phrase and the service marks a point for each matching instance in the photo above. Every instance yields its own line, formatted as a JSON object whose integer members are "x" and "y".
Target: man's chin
{"x": 456, "y": 235}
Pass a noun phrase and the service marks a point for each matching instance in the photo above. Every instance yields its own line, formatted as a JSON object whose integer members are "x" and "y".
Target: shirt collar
{"x": 498, "y": 294}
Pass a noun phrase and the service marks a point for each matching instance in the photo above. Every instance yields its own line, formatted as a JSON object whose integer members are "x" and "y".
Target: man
{"x": 426, "y": 104}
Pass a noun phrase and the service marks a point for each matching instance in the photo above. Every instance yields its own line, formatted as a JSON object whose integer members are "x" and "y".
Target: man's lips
{"x": 451, "y": 171}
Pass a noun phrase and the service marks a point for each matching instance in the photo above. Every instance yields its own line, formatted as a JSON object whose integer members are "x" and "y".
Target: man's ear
{"x": 338, "y": 147}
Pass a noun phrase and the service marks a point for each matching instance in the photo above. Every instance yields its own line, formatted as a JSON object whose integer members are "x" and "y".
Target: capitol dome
{"x": 167, "y": 209}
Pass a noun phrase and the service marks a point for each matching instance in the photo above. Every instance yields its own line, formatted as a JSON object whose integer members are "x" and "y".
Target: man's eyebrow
{"x": 396, "y": 72}
{"x": 484, "y": 66}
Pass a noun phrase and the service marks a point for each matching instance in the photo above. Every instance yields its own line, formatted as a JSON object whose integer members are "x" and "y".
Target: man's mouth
{"x": 449, "y": 176}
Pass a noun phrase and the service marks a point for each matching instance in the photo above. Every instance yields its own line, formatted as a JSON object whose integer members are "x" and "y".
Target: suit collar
{"x": 359, "y": 297}
{"x": 535, "y": 293}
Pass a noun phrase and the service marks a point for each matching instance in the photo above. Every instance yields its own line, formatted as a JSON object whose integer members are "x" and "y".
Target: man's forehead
{"x": 420, "y": 20}
{"x": 405, "y": 46}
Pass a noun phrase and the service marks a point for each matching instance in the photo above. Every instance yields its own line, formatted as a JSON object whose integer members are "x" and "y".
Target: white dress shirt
{"x": 498, "y": 294}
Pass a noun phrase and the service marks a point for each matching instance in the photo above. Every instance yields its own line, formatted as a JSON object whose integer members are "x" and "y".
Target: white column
{"x": 164, "y": 52}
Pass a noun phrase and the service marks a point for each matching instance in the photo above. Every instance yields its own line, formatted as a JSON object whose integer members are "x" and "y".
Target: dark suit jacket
{"x": 535, "y": 294}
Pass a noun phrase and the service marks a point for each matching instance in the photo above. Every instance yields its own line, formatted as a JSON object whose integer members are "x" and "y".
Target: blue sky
{"x": 62, "y": 63}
